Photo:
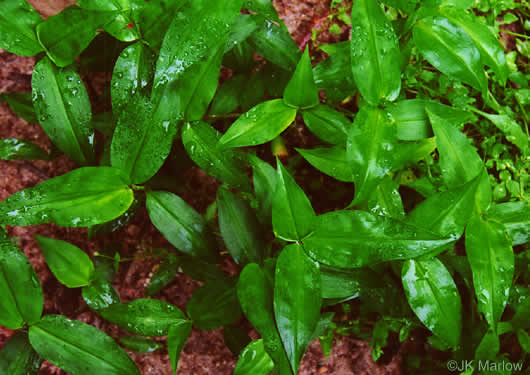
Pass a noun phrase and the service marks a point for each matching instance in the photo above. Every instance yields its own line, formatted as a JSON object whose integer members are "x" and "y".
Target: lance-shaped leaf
{"x": 260, "y": 124}
{"x": 140, "y": 344}
{"x": 176, "y": 338}
{"x": 100, "y": 294}
{"x": 297, "y": 301}
{"x": 374, "y": 53}
{"x": 79, "y": 348}
{"x": 264, "y": 177}
{"x": 200, "y": 141}
{"x": 351, "y": 239}
{"x": 515, "y": 216}
{"x": 65, "y": 35}
{"x": 21, "y": 299}
{"x": 179, "y": 223}
{"x": 22, "y": 105}
{"x": 70, "y": 265}
{"x": 146, "y": 317}
{"x": 15, "y": 149}
{"x": 63, "y": 108}
{"x": 332, "y": 161}
{"x": 491, "y": 258}
{"x": 385, "y": 200}
{"x": 433, "y": 296}
{"x": 485, "y": 39}
{"x": 17, "y": 357}
{"x": 82, "y": 197}
{"x": 292, "y": 213}
{"x": 301, "y": 91}
{"x": 132, "y": 73}
{"x": 340, "y": 283}
{"x": 139, "y": 144}
{"x": 255, "y": 293}
{"x": 450, "y": 50}
{"x": 327, "y": 124}
{"x": 18, "y": 20}
{"x": 513, "y": 131}
{"x": 240, "y": 228}
{"x": 219, "y": 293}
{"x": 254, "y": 360}
{"x": 370, "y": 148}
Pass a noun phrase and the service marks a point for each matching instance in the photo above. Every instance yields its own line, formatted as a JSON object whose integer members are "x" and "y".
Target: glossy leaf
{"x": 200, "y": 141}
{"x": 69, "y": 264}
{"x": 240, "y": 228}
{"x": 82, "y": 197}
{"x": 116, "y": 224}
{"x": 18, "y": 20}
{"x": 515, "y": 216}
{"x": 164, "y": 274}
{"x": 226, "y": 99}
{"x": 21, "y": 300}
{"x": 263, "y": 7}
{"x": 146, "y": 317}
{"x": 374, "y": 53}
{"x": 370, "y": 149}
{"x": 63, "y": 108}
{"x": 343, "y": 283}
{"x": 176, "y": 338}
{"x": 179, "y": 223}
{"x": 351, "y": 239}
{"x": 513, "y": 131}
{"x": 22, "y": 105}
{"x": 386, "y": 200}
{"x": 432, "y": 294}
{"x": 259, "y": 125}
{"x": 297, "y": 301}
{"x": 491, "y": 258}
{"x": 301, "y": 91}
{"x": 133, "y": 72}
{"x": 79, "y": 348}
{"x": 15, "y": 149}
{"x": 140, "y": 344}
{"x": 220, "y": 293}
{"x": 327, "y": 124}
{"x": 264, "y": 177}
{"x": 100, "y": 294}
{"x": 450, "y": 50}
{"x": 242, "y": 28}
{"x": 332, "y": 161}
{"x": 17, "y": 357}
{"x": 65, "y": 35}
{"x": 254, "y": 360}
{"x": 292, "y": 213}
{"x": 200, "y": 270}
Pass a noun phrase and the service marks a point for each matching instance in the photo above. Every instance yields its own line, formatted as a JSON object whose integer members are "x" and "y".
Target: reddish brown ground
{"x": 205, "y": 352}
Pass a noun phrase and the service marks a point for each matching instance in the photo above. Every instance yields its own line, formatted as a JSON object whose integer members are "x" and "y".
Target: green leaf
{"x": 385, "y": 200}
{"x": 22, "y": 105}
{"x": 297, "y": 301}
{"x": 512, "y": 130}
{"x": 254, "y": 360}
{"x": 200, "y": 270}
{"x": 140, "y": 344}
{"x": 21, "y": 299}
{"x": 116, "y": 224}
{"x": 104, "y": 123}
{"x": 488, "y": 347}
{"x": 146, "y": 317}
{"x": 260, "y": 124}
{"x": 226, "y": 99}
{"x": 292, "y": 213}
{"x": 332, "y": 161}
{"x": 100, "y": 294}
{"x": 242, "y": 28}
{"x": 264, "y": 178}
{"x": 18, "y": 20}
{"x": 524, "y": 340}
{"x": 164, "y": 274}
{"x": 214, "y": 304}
{"x": 17, "y": 357}
{"x": 79, "y": 348}
{"x": 182, "y": 226}
{"x": 263, "y": 7}
{"x": 240, "y": 228}
{"x": 450, "y": 50}
{"x": 176, "y": 338}
{"x": 255, "y": 293}
{"x": 340, "y": 283}
{"x": 65, "y": 35}
{"x": 484, "y": 38}
{"x": 352, "y": 239}
{"x": 370, "y": 149}
{"x": 433, "y": 296}
{"x": 301, "y": 91}
{"x": 15, "y": 149}
{"x": 200, "y": 141}
{"x": 63, "y": 108}
{"x": 374, "y": 53}
{"x": 83, "y": 197}
{"x": 327, "y": 124}
{"x": 515, "y": 216}
{"x": 491, "y": 258}
{"x": 139, "y": 144}
{"x": 69, "y": 264}
{"x": 133, "y": 72}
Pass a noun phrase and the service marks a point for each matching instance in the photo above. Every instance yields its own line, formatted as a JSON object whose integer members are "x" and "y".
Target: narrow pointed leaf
{"x": 79, "y": 348}
{"x": 385, "y": 200}
{"x": 327, "y": 124}
{"x": 332, "y": 161}
{"x": 16, "y": 149}
{"x": 63, "y": 108}
{"x": 22, "y": 105}
{"x": 18, "y": 20}
{"x": 140, "y": 344}
{"x": 301, "y": 91}
{"x": 100, "y": 294}
{"x": 17, "y": 357}
{"x": 254, "y": 360}
{"x": 374, "y": 53}
{"x": 513, "y": 131}
{"x": 515, "y": 216}
{"x": 264, "y": 177}
{"x": 433, "y": 296}
{"x": 176, "y": 338}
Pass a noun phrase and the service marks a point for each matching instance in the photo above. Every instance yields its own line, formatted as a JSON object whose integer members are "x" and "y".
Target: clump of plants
{"x": 422, "y": 114}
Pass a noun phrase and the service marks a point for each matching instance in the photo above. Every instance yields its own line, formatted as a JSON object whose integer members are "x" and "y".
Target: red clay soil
{"x": 205, "y": 352}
